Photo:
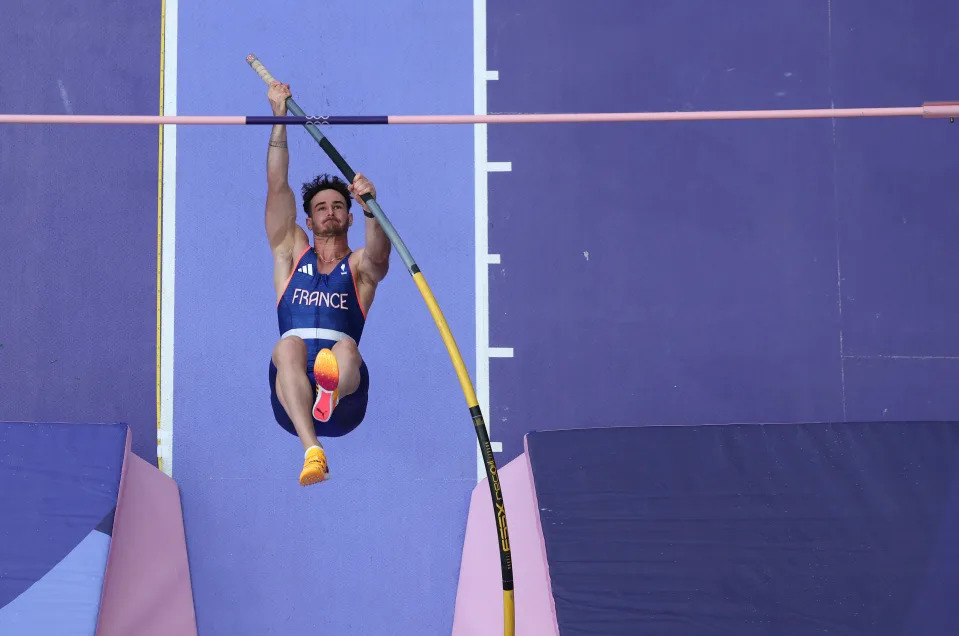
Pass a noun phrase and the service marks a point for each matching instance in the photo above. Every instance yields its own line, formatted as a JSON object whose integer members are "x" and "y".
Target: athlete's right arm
{"x": 280, "y": 202}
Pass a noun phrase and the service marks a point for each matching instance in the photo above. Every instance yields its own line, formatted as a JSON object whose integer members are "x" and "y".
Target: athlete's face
{"x": 328, "y": 214}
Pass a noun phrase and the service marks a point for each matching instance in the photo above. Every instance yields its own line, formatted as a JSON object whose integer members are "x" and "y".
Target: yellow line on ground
{"x": 160, "y": 222}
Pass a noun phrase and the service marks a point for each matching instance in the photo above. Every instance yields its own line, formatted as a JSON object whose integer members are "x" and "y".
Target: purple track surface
{"x": 376, "y": 550}
{"x": 78, "y": 210}
{"x": 721, "y": 271}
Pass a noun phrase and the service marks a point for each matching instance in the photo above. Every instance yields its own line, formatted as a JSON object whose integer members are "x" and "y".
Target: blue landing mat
{"x": 58, "y": 484}
{"x": 752, "y": 529}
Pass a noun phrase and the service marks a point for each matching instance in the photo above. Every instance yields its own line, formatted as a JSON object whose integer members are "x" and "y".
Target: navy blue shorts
{"x": 347, "y": 415}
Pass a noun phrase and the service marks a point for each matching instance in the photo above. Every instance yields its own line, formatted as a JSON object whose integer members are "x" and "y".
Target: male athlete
{"x": 318, "y": 380}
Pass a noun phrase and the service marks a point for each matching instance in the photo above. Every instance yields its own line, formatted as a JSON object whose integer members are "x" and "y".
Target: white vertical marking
{"x": 481, "y": 219}
{"x": 168, "y": 246}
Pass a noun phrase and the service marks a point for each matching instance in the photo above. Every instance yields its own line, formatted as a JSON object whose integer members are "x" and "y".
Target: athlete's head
{"x": 327, "y": 202}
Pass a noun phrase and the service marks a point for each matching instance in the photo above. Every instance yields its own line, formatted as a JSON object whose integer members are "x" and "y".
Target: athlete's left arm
{"x": 376, "y": 253}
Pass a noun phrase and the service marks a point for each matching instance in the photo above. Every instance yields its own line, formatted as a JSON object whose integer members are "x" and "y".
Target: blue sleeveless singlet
{"x": 320, "y": 308}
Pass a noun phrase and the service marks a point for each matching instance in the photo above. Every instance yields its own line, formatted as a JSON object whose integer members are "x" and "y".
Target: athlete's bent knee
{"x": 289, "y": 350}
{"x": 347, "y": 349}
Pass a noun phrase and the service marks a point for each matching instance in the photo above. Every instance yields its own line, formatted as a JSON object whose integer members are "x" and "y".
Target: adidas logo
{"x": 306, "y": 269}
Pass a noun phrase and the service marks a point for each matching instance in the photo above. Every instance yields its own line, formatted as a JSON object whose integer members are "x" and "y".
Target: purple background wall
{"x": 736, "y": 271}
{"x": 78, "y": 211}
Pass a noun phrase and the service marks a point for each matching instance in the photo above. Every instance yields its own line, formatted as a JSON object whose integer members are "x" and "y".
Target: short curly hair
{"x": 325, "y": 182}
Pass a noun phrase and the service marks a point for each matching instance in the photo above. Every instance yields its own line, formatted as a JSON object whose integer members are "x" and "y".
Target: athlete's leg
{"x": 337, "y": 373}
{"x": 348, "y": 360}
{"x": 295, "y": 393}
{"x": 293, "y": 387}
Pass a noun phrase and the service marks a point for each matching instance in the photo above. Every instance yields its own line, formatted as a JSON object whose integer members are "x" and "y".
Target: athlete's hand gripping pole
{"x": 506, "y": 561}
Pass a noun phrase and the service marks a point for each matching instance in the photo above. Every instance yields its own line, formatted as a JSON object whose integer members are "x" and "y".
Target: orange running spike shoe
{"x": 315, "y": 468}
{"x": 327, "y": 375}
